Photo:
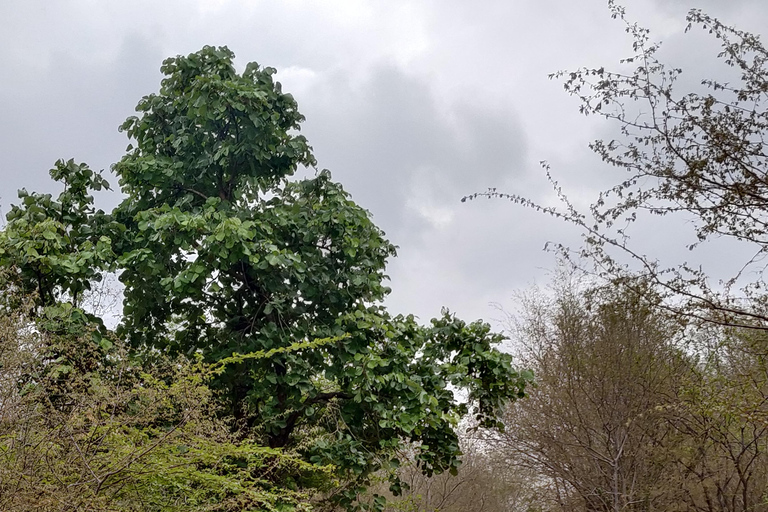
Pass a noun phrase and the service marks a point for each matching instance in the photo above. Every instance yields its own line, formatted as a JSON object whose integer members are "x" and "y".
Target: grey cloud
{"x": 388, "y": 135}
{"x": 408, "y": 140}
{"x": 72, "y": 110}
{"x": 397, "y": 149}
{"x": 712, "y": 7}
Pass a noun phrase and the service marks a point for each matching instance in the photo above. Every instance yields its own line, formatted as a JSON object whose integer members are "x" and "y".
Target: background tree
{"x": 485, "y": 482}
{"x": 720, "y": 427}
{"x": 605, "y": 366}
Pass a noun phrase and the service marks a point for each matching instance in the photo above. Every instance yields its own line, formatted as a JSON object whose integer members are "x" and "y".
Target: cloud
{"x": 412, "y": 105}
{"x": 71, "y": 108}
{"x": 409, "y": 157}
{"x": 392, "y": 143}
{"x": 712, "y": 7}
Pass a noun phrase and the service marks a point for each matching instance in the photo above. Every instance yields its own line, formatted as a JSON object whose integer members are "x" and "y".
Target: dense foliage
{"x": 85, "y": 427}
{"x": 221, "y": 254}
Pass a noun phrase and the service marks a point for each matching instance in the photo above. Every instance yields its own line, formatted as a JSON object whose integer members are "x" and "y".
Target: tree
{"x": 700, "y": 153}
{"x": 635, "y": 411}
{"x": 591, "y": 429}
{"x": 485, "y": 482}
{"x": 57, "y": 248}
{"x": 222, "y": 253}
{"x": 720, "y": 427}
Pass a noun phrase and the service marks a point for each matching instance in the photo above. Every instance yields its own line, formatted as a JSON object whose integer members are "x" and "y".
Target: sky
{"x": 411, "y": 105}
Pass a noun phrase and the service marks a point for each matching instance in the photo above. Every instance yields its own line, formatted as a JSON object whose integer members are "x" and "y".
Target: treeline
{"x": 631, "y": 410}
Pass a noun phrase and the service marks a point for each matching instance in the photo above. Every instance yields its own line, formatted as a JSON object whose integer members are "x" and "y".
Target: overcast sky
{"x": 410, "y": 104}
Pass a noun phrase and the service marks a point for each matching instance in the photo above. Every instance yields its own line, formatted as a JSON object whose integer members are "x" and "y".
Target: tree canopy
{"x": 222, "y": 253}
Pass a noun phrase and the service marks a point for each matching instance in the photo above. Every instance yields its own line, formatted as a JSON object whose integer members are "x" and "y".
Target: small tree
{"x": 591, "y": 428}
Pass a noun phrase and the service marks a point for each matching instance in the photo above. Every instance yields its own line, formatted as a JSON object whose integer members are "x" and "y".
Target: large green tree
{"x": 222, "y": 252}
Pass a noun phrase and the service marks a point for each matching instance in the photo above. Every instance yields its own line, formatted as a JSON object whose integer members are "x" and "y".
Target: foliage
{"x": 720, "y": 423}
{"x": 117, "y": 435}
{"x": 224, "y": 256}
{"x": 58, "y": 247}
